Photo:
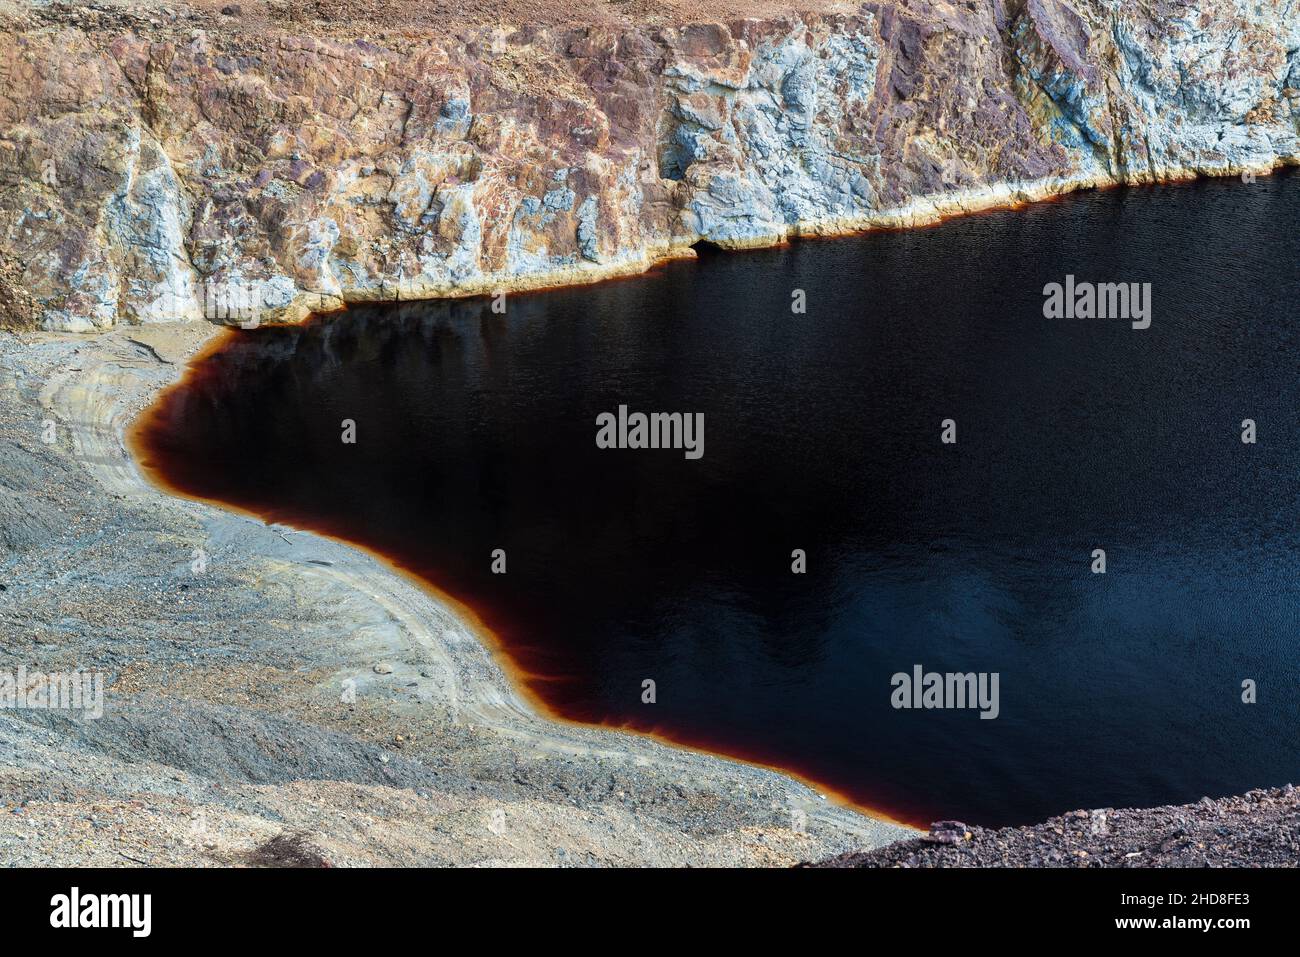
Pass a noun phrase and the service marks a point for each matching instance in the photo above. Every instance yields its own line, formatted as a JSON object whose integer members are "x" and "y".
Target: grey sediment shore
{"x": 298, "y": 692}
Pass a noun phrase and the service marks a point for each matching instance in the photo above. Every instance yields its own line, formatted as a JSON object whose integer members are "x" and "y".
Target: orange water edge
{"x": 523, "y": 681}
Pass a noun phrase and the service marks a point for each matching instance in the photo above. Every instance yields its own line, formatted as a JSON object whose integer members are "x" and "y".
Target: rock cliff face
{"x": 161, "y": 171}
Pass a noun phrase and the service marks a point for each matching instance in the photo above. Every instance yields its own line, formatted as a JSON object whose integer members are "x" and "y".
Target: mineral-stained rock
{"x": 157, "y": 171}
{"x": 946, "y": 832}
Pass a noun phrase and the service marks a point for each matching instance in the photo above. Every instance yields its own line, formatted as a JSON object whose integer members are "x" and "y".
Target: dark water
{"x": 477, "y": 431}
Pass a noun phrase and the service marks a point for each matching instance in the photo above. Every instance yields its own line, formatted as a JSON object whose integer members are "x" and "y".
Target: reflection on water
{"x": 477, "y": 431}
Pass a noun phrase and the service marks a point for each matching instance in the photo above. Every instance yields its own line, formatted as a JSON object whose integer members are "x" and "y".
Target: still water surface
{"x": 476, "y": 431}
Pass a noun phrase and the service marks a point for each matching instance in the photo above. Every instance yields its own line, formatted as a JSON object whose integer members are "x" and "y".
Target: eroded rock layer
{"x": 144, "y": 165}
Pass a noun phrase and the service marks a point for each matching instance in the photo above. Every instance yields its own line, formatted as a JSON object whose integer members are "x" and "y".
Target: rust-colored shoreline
{"x": 521, "y": 680}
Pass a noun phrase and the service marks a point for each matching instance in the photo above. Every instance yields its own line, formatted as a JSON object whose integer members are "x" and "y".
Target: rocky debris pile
{"x": 1258, "y": 829}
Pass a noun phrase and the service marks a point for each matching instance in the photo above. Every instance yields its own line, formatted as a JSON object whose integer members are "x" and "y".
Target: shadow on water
{"x": 476, "y": 431}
